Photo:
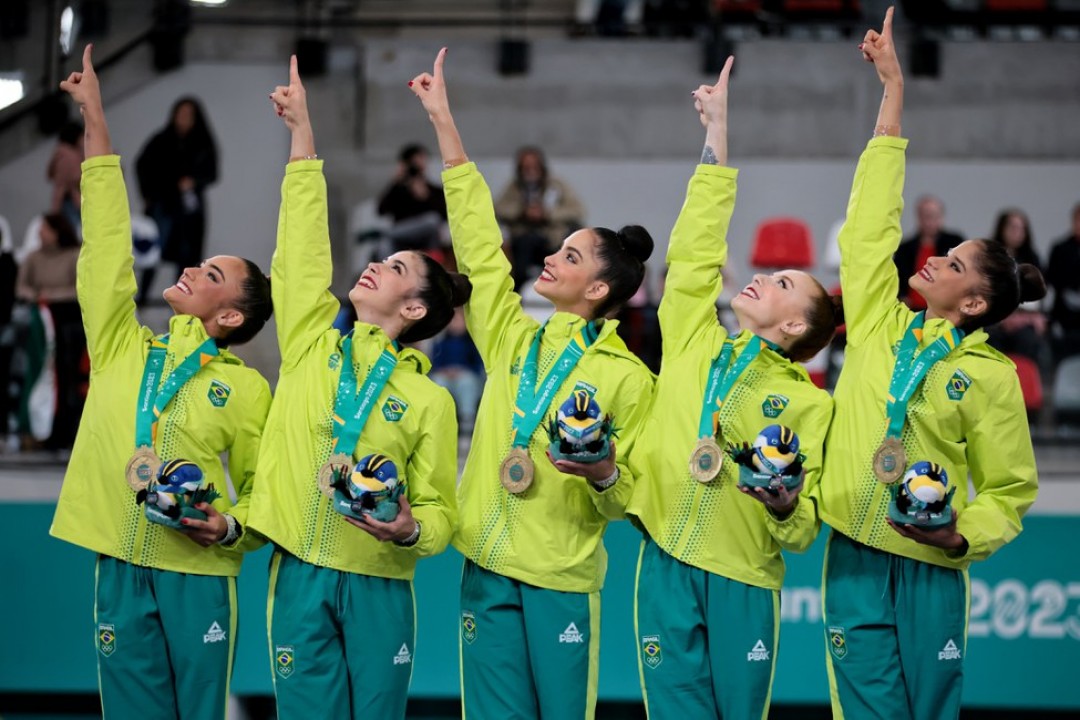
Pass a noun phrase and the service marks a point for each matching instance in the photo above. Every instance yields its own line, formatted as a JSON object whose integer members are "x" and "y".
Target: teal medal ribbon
{"x": 532, "y": 402}
{"x": 352, "y": 409}
{"x": 144, "y": 463}
{"x": 707, "y": 457}
{"x": 890, "y": 460}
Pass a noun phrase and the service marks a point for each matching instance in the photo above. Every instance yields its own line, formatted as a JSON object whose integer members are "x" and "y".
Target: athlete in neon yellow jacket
{"x": 165, "y": 612}
{"x": 712, "y": 553}
{"x": 896, "y": 594}
{"x": 535, "y": 559}
{"x": 341, "y": 609}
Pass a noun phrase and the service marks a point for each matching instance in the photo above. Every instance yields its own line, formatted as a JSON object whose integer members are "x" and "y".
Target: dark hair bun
{"x": 837, "y": 309}
{"x": 636, "y": 240}
{"x": 461, "y": 289}
{"x": 1032, "y": 284}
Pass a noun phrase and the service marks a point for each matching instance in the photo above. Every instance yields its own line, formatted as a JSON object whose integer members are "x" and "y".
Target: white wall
{"x": 252, "y": 143}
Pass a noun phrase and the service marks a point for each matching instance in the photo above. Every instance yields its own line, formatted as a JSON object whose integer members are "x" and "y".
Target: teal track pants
{"x": 341, "y": 644}
{"x": 895, "y": 633}
{"x": 165, "y": 642}
{"x": 706, "y": 644}
{"x": 526, "y": 652}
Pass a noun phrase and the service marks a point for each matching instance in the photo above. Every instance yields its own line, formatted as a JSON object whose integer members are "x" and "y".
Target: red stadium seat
{"x": 782, "y": 243}
{"x": 1030, "y": 382}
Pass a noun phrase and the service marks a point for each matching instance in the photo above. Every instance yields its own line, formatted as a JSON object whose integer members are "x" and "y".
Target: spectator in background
{"x": 47, "y": 277}
{"x": 457, "y": 366}
{"x": 174, "y": 170}
{"x": 539, "y": 211}
{"x": 1064, "y": 278}
{"x": 1024, "y": 331}
{"x": 930, "y": 239}
{"x": 65, "y": 172}
{"x": 415, "y": 204}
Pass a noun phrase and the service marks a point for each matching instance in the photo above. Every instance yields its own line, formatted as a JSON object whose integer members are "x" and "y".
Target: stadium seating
{"x": 782, "y": 242}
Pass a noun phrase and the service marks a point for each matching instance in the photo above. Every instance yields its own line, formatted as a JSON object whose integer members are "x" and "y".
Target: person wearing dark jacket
{"x": 931, "y": 239}
{"x": 174, "y": 170}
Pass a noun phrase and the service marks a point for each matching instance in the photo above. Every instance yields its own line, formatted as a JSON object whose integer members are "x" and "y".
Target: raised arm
{"x": 698, "y": 247}
{"x": 494, "y": 306}
{"x": 872, "y": 232}
{"x": 105, "y": 278}
{"x": 301, "y": 270}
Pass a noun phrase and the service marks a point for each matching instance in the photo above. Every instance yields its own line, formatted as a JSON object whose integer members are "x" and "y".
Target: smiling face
{"x": 210, "y": 292}
{"x": 570, "y": 277}
{"x": 952, "y": 283}
{"x": 776, "y": 306}
{"x": 386, "y": 293}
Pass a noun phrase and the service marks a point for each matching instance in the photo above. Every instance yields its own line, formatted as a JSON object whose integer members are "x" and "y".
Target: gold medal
{"x": 142, "y": 468}
{"x": 326, "y": 472}
{"x": 706, "y": 460}
{"x": 890, "y": 461}
{"x": 516, "y": 471}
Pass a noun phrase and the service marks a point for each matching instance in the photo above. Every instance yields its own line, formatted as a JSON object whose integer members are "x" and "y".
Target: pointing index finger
{"x": 726, "y": 72}
{"x": 439, "y": 59}
{"x": 886, "y": 28}
{"x": 87, "y": 62}
{"x": 294, "y": 72}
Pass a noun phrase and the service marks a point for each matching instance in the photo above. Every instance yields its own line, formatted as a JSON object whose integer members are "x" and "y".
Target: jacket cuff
{"x": 718, "y": 170}
{"x": 458, "y": 171}
{"x": 100, "y": 161}
{"x": 899, "y": 143}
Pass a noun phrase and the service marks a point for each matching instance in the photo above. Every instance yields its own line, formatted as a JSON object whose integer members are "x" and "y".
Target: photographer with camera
{"x": 417, "y": 205}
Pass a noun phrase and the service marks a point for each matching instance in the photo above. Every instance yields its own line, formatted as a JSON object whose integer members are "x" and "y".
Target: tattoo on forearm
{"x": 708, "y": 157}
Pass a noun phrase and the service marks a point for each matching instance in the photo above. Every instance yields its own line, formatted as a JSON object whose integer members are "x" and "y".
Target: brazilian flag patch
{"x": 106, "y": 639}
{"x": 394, "y": 408}
{"x": 284, "y": 660}
{"x": 774, "y": 405}
{"x": 651, "y": 654}
{"x": 218, "y": 394}
{"x": 837, "y": 642}
{"x": 958, "y": 385}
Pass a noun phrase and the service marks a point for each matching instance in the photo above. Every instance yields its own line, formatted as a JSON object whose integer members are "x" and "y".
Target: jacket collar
{"x": 370, "y": 340}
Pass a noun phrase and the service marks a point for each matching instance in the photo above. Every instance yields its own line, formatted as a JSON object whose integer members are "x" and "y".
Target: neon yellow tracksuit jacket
{"x": 713, "y": 526}
{"x": 413, "y": 421}
{"x": 551, "y": 535}
{"x": 97, "y": 508}
{"x": 967, "y": 415}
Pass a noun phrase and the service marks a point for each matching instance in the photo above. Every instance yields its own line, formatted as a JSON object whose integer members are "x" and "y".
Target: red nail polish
{"x": 410, "y": 83}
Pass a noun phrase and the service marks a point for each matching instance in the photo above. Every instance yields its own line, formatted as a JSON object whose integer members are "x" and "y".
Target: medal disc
{"x": 326, "y": 472}
{"x": 142, "y": 468}
{"x": 706, "y": 460}
{"x": 890, "y": 461}
{"x": 516, "y": 471}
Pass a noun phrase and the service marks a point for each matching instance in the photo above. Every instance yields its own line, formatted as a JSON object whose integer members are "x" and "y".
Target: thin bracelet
{"x": 304, "y": 157}
{"x": 883, "y": 131}
{"x": 447, "y": 164}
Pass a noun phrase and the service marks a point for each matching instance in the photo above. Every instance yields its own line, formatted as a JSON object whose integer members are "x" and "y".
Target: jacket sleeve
{"x": 696, "y": 253}
{"x": 105, "y": 275}
{"x": 301, "y": 271}
{"x": 494, "y": 307}
{"x": 871, "y": 235}
{"x": 797, "y": 532}
{"x": 242, "y": 459}
{"x": 1002, "y": 465}
{"x": 611, "y": 502}
{"x": 432, "y": 477}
